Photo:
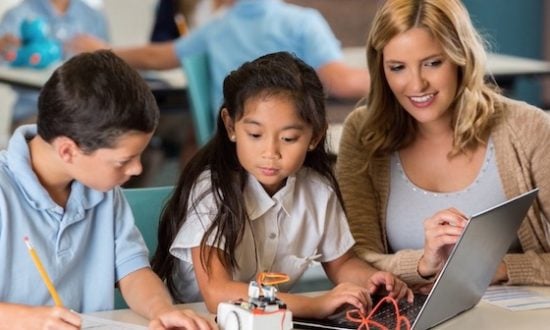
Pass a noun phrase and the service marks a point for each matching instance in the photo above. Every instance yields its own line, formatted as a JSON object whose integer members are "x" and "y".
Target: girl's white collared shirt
{"x": 302, "y": 223}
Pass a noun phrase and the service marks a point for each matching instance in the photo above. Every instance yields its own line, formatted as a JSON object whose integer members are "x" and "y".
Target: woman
{"x": 436, "y": 136}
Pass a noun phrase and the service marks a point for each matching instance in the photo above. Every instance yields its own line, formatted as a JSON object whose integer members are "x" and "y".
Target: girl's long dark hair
{"x": 273, "y": 74}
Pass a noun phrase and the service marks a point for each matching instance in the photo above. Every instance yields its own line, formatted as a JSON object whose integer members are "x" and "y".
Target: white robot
{"x": 262, "y": 311}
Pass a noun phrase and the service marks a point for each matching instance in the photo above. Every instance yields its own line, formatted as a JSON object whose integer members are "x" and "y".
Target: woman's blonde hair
{"x": 388, "y": 126}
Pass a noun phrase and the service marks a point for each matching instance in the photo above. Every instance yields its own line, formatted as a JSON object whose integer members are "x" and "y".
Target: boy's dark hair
{"x": 277, "y": 74}
{"x": 93, "y": 98}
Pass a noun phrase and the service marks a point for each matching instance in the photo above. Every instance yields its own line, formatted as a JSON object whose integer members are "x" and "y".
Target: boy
{"x": 59, "y": 186}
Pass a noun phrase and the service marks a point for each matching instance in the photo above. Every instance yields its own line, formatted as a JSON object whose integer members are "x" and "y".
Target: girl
{"x": 261, "y": 196}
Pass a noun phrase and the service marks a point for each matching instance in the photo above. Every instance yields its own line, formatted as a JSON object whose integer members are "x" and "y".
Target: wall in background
{"x": 130, "y": 21}
{"x": 350, "y": 20}
{"x": 514, "y": 27}
{"x": 5, "y": 4}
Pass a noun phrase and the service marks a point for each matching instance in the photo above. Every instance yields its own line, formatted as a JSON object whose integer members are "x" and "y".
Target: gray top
{"x": 409, "y": 205}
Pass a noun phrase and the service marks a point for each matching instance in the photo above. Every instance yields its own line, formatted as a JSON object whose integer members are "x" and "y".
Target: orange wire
{"x": 269, "y": 278}
{"x": 367, "y": 321}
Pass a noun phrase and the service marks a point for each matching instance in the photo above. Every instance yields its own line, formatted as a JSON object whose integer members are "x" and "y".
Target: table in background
{"x": 168, "y": 87}
{"x": 163, "y": 83}
{"x": 482, "y": 316}
{"x": 36, "y": 78}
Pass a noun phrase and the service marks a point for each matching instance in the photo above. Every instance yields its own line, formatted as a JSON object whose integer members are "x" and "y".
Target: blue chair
{"x": 197, "y": 72}
{"x": 146, "y": 205}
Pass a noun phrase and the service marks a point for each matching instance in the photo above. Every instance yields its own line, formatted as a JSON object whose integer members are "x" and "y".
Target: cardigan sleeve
{"x": 525, "y": 165}
{"x": 365, "y": 191}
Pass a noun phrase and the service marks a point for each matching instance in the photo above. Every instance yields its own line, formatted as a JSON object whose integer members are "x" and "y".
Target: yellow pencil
{"x": 43, "y": 273}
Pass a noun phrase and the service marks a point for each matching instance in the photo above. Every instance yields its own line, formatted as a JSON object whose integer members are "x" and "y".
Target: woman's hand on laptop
{"x": 441, "y": 232}
{"x": 501, "y": 275}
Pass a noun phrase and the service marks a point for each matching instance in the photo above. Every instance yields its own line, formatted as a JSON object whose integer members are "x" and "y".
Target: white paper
{"x": 516, "y": 298}
{"x": 97, "y": 323}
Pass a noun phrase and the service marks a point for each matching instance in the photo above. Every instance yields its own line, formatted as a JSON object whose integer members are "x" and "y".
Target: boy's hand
{"x": 50, "y": 318}
{"x": 387, "y": 281}
{"x": 181, "y": 319}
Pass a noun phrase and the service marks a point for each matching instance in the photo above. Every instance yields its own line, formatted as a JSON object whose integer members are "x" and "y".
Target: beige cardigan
{"x": 522, "y": 146}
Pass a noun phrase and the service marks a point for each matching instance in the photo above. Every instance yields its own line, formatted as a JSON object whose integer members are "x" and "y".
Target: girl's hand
{"x": 344, "y": 293}
{"x": 394, "y": 287}
{"x": 49, "y": 318}
{"x": 441, "y": 232}
{"x": 181, "y": 319}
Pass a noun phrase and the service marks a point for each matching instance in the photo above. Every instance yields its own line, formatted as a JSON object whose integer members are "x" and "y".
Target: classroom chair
{"x": 147, "y": 205}
{"x": 197, "y": 72}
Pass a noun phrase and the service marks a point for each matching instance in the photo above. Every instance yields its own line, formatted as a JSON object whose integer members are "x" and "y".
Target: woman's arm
{"x": 523, "y": 160}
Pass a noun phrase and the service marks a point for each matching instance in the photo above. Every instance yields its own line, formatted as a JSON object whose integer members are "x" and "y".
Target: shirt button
{"x": 272, "y": 235}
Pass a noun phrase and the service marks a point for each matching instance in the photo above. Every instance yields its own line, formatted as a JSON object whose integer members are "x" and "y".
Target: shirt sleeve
{"x": 102, "y": 27}
{"x": 193, "y": 43}
{"x": 524, "y": 165}
{"x": 320, "y": 46}
{"x": 131, "y": 252}
{"x": 201, "y": 212}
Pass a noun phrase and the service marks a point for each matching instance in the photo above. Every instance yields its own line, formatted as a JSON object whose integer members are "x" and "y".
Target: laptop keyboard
{"x": 386, "y": 313}
{"x": 385, "y": 316}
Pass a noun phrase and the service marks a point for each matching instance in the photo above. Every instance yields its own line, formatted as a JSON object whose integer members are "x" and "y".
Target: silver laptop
{"x": 474, "y": 260}
{"x": 468, "y": 270}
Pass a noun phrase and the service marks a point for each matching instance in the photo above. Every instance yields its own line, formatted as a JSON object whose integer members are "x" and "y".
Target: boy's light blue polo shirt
{"x": 79, "y": 18}
{"x": 85, "y": 248}
{"x": 252, "y": 28}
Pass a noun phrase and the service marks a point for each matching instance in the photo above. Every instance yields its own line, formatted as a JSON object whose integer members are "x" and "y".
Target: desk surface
{"x": 483, "y": 316}
{"x": 33, "y": 78}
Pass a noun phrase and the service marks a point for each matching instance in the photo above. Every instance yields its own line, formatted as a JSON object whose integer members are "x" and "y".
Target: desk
{"x": 168, "y": 87}
{"x": 35, "y": 79}
{"x": 483, "y": 316}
